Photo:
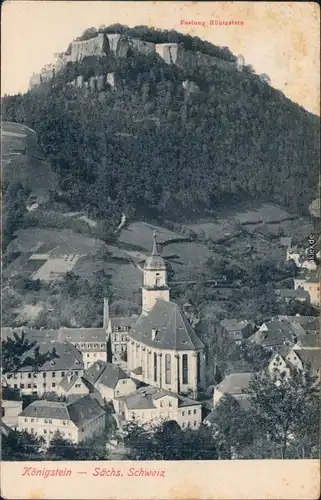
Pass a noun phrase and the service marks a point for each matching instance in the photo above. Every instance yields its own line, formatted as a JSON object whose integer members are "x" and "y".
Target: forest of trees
{"x": 147, "y": 147}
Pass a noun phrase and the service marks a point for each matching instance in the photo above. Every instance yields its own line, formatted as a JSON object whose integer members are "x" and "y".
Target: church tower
{"x": 155, "y": 279}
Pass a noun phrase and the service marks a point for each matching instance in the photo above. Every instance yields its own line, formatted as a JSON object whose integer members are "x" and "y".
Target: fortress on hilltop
{"x": 119, "y": 45}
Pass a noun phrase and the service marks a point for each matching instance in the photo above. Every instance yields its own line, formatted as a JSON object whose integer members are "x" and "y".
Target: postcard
{"x": 160, "y": 332}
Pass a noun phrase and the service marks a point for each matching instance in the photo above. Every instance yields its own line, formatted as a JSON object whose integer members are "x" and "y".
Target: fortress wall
{"x": 142, "y": 46}
{"x": 85, "y": 48}
{"x": 47, "y": 75}
{"x": 35, "y": 80}
{"x": 168, "y": 52}
{"x": 118, "y": 44}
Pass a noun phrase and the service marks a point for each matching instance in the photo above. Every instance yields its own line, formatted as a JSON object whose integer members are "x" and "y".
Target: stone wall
{"x": 35, "y": 80}
{"x": 118, "y": 45}
{"x": 142, "y": 46}
{"x": 85, "y": 48}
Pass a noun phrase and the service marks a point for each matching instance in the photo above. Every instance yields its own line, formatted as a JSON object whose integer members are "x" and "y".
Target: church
{"x": 163, "y": 350}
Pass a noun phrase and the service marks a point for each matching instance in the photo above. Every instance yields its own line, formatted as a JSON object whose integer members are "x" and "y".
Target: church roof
{"x": 173, "y": 330}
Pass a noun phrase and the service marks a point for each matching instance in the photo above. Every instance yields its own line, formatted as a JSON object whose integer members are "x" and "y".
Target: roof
{"x": 83, "y": 334}
{"x": 105, "y": 373}
{"x": 67, "y": 357}
{"x": 46, "y": 409}
{"x": 123, "y": 321}
{"x": 307, "y": 322}
{"x": 311, "y": 339}
{"x": 299, "y": 293}
{"x": 145, "y": 397}
{"x": 234, "y": 324}
{"x": 234, "y": 383}
{"x": 79, "y": 411}
{"x": 278, "y": 331}
{"x": 68, "y": 381}
{"x": 155, "y": 261}
{"x": 310, "y": 357}
{"x": 173, "y": 330}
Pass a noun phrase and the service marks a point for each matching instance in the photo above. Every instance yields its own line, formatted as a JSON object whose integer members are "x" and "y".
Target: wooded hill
{"x": 149, "y": 147}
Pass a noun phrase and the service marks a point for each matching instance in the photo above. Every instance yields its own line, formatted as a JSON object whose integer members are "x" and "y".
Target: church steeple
{"x": 155, "y": 279}
{"x": 155, "y": 251}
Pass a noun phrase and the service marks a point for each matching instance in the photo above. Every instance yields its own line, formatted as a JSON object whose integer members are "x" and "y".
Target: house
{"x": 49, "y": 375}
{"x": 237, "y": 330}
{"x": 110, "y": 380}
{"x": 282, "y": 360}
{"x": 91, "y": 342}
{"x": 79, "y": 420}
{"x": 72, "y": 384}
{"x": 311, "y": 341}
{"x": 310, "y": 358}
{"x": 11, "y": 406}
{"x": 151, "y": 404}
{"x": 312, "y": 286}
{"x": 276, "y": 333}
{"x": 234, "y": 384}
{"x": 287, "y": 295}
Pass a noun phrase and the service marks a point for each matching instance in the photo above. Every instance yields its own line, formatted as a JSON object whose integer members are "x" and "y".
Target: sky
{"x": 280, "y": 39}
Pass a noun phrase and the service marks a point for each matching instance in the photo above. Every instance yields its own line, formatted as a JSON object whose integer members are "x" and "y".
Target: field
{"x": 138, "y": 236}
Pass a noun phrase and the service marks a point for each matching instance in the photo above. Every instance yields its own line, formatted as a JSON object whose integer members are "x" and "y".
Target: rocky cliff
{"x": 117, "y": 44}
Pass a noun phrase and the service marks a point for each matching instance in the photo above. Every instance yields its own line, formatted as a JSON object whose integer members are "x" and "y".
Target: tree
{"x": 64, "y": 449}
{"x": 21, "y": 446}
{"x": 234, "y": 427}
{"x": 286, "y": 409}
{"x": 167, "y": 441}
{"x": 18, "y": 351}
{"x": 14, "y": 207}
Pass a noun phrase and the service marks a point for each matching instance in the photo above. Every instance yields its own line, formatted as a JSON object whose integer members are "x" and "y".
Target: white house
{"x": 47, "y": 377}
{"x": 234, "y": 384}
{"x": 110, "y": 380}
{"x": 82, "y": 419}
{"x": 151, "y": 404}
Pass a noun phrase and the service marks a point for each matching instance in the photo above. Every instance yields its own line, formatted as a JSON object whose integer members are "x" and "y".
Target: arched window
{"x": 198, "y": 362}
{"x": 185, "y": 368}
{"x": 167, "y": 368}
{"x": 155, "y": 367}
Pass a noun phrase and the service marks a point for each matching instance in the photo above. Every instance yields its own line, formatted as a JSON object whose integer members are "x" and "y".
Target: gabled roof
{"x": 310, "y": 357}
{"x": 278, "y": 331}
{"x": 121, "y": 321}
{"x": 145, "y": 397}
{"x": 311, "y": 339}
{"x": 67, "y": 357}
{"x": 295, "y": 294}
{"x": 173, "y": 330}
{"x": 105, "y": 373}
{"x": 234, "y": 383}
{"x": 80, "y": 411}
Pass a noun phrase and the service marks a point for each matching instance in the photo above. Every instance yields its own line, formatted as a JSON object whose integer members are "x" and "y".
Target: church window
{"x": 167, "y": 368}
{"x": 157, "y": 282}
{"x": 185, "y": 368}
{"x": 155, "y": 367}
{"x": 198, "y": 363}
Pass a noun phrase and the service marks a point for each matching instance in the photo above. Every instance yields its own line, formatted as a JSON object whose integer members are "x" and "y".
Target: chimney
{"x": 106, "y": 313}
{"x": 154, "y": 332}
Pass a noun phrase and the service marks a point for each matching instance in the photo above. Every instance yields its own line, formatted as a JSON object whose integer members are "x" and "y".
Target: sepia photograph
{"x": 161, "y": 249}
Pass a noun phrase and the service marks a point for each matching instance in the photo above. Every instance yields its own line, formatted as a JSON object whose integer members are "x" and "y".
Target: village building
{"x": 109, "y": 380}
{"x": 11, "y": 406}
{"x": 152, "y": 404}
{"x": 238, "y": 330}
{"x": 312, "y": 286}
{"x": 235, "y": 385}
{"x": 287, "y": 295}
{"x": 163, "y": 348}
{"x": 276, "y": 333}
{"x": 46, "y": 377}
{"x": 82, "y": 419}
